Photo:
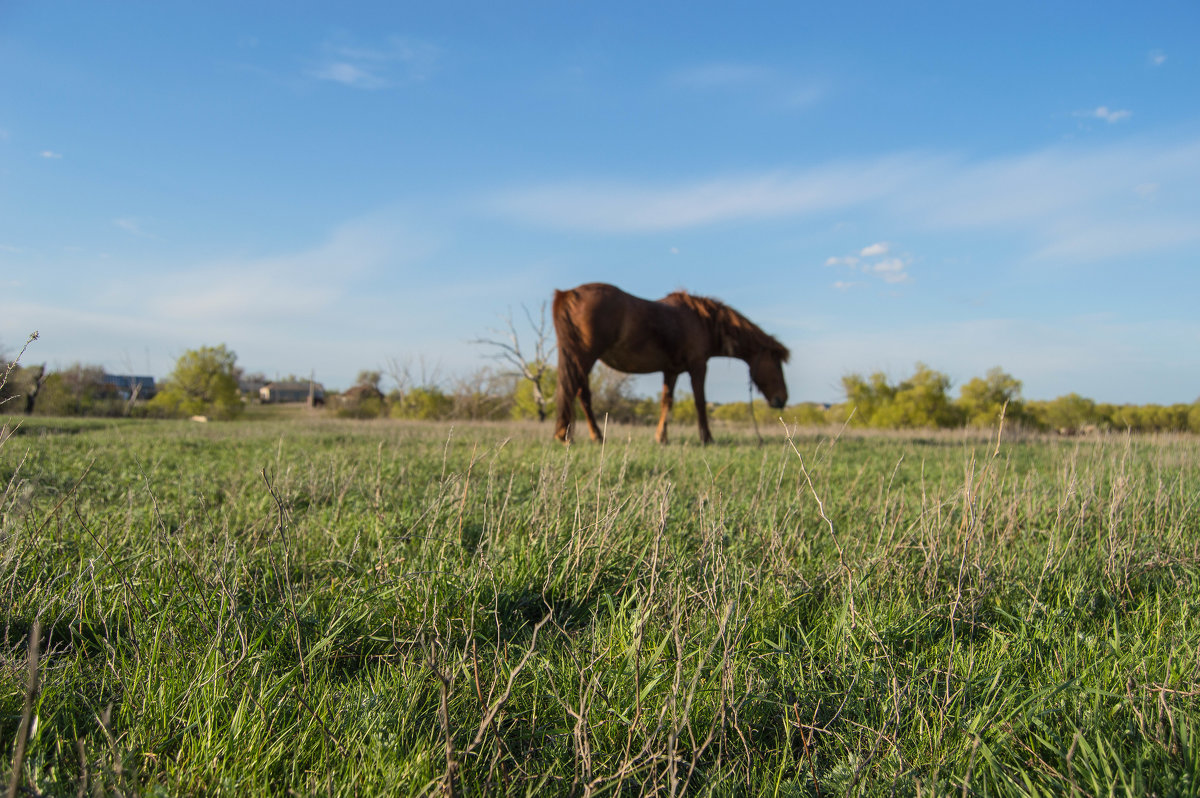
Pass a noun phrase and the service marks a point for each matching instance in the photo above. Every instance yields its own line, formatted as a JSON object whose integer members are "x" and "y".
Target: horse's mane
{"x": 733, "y": 331}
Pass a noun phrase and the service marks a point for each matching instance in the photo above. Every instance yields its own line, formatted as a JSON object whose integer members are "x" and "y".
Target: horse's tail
{"x": 570, "y": 371}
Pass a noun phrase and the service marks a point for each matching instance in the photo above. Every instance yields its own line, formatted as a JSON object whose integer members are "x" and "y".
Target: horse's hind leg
{"x": 573, "y": 383}
{"x": 668, "y": 402}
{"x": 585, "y": 399}
{"x": 564, "y": 397}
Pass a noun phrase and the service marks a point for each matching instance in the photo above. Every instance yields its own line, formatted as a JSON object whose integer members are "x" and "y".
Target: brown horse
{"x": 677, "y": 333}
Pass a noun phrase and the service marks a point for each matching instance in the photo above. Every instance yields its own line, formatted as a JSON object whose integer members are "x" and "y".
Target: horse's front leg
{"x": 697, "y": 375}
{"x": 668, "y": 402}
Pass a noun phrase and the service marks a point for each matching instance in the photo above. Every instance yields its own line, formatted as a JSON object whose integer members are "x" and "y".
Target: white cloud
{"x": 349, "y": 75}
{"x": 1106, "y": 114}
{"x": 50, "y": 154}
{"x": 892, "y": 270}
{"x": 870, "y": 261}
{"x": 1156, "y": 58}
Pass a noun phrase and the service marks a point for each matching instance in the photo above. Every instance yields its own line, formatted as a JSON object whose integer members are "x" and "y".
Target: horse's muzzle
{"x": 778, "y": 402}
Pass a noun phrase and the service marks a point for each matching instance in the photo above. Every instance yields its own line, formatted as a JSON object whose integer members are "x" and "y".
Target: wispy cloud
{"x": 1053, "y": 200}
{"x": 284, "y": 286}
{"x": 1083, "y": 241}
{"x": 350, "y": 75}
{"x": 767, "y": 85}
{"x": 50, "y": 155}
{"x": 395, "y": 61}
{"x": 1105, "y": 114}
{"x": 1065, "y": 201}
{"x": 132, "y": 226}
{"x": 615, "y": 207}
{"x": 1156, "y": 58}
{"x": 720, "y": 76}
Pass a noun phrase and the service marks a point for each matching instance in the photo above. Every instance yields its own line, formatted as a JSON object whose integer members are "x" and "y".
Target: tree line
{"x": 205, "y": 382}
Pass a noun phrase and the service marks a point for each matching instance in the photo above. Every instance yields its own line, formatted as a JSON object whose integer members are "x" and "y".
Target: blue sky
{"x": 327, "y": 187}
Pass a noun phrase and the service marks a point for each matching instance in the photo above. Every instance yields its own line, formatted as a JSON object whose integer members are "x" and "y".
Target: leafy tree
{"x": 369, "y": 378}
{"x": 1071, "y": 412}
{"x": 984, "y": 398}
{"x": 78, "y": 390}
{"x": 204, "y": 382}
{"x": 865, "y": 398}
{"x": 428, "y": 403}
{"x": 807, "y": 414}
{"x": 362, "y": 406}
{"x": 741, "y": 411}
{"x": 534, "y": 398}
{"x": 919, "y": 401}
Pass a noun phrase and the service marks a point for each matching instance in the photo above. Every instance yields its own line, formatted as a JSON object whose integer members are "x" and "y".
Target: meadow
{"x": 386, "y": 607}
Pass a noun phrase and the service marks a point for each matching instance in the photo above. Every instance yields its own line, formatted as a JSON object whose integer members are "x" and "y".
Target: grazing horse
{"x": 677, "y": 333}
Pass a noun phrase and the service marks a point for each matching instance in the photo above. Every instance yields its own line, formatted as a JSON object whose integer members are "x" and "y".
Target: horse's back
{"x": 593, "y": 306}
{"x": 627, "y": 332}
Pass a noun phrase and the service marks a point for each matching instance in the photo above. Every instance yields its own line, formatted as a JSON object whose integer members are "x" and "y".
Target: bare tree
{"x": 483, "y": 394}
{"x": 506, "y": 347}
{"x": 401, "y": 373}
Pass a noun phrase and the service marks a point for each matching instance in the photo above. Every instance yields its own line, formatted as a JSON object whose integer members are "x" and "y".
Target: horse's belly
{"x": 645, "y": 360}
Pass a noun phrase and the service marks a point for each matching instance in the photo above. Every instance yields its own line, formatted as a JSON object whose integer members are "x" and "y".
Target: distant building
{"x": 360, "y": 392}
{"x": 129, "y": 386}
{"x": 281, "y": 392}
{"x": 252, "y": 384}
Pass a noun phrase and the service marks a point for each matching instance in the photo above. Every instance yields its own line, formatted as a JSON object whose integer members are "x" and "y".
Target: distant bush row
{"x": 922, "y": 400}
{"x": 205, "y": 381}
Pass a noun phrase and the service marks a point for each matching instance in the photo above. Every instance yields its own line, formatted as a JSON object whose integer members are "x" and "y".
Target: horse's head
{"x": 766, "y": 370}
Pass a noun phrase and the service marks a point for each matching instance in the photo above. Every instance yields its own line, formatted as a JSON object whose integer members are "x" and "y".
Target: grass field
{"x": 322, "y": 607}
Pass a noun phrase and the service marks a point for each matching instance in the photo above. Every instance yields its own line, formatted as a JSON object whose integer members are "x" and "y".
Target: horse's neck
{"x": 727, "y": 344}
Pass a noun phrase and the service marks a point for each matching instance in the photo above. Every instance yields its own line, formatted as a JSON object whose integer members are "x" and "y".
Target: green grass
{"x": 323, "y": 607}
